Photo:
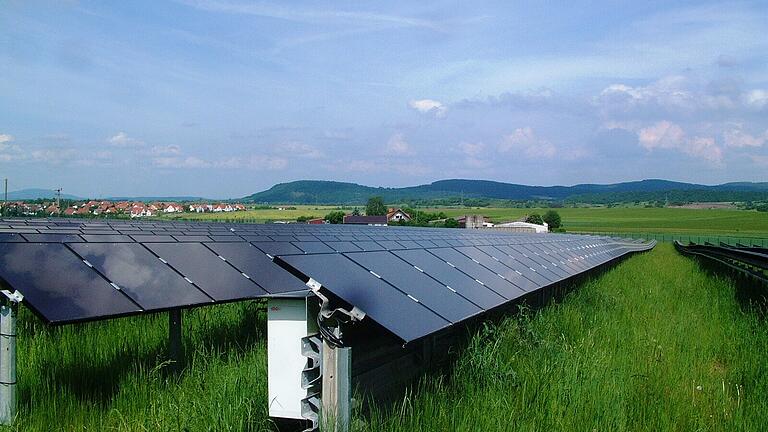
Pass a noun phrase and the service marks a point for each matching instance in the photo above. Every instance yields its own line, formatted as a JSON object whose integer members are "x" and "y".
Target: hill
{"x": 330, "y": 192}
{"x": 33, "y": 194}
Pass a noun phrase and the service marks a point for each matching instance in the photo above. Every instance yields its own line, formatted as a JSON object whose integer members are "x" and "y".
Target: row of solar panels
{"x": 410, "y": 287}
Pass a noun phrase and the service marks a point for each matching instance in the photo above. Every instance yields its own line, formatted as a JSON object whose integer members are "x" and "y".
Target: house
{"x": 70, "y": 211}
{"x": 173, "y": 208}
{"x": 52, "y": 209}
{"x": 520, "y": 226}
{"x": 474, "y": 221}
{"x": 140, "y": 210}
{"x": 366, "y": 220}
{"x": 397, "y": 215}
{"x": 317, "y": 221}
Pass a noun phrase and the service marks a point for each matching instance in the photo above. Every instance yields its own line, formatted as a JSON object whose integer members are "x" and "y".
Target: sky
{"x": 223, "y": 98}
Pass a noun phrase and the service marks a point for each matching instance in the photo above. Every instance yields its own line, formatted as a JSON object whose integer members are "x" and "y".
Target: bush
{"x": 552, "y": 218}
{"x": 335, "y": 217}
{"x": 535, "y": 219}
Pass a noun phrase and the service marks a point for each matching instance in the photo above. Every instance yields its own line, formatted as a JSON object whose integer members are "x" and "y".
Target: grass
{"x": 637, "y": 219}
{"x": 290, "y": 213}
{"x": 629, "y": 350}
{"x": 681, "y": 221}
{"x": 113, "y": 375}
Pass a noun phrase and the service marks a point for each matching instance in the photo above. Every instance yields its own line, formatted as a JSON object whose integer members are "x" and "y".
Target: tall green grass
{"x": 654, "y": 344}
{"x": 114, "y": 375}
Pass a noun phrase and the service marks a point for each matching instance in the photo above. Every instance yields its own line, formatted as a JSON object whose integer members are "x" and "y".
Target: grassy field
{"x": 723, "y": 222}
{"x": 112, "y": 376}
{"x": 638, "y": 219}
{"x": 631, "y": 349}
{"x": 290, "y": 213}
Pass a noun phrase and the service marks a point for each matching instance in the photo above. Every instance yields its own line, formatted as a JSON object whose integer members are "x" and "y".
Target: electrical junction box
{"x": 289, "y": 319}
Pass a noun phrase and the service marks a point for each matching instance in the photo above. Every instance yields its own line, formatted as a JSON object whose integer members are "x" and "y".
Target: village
{"x": 132, "y": 209}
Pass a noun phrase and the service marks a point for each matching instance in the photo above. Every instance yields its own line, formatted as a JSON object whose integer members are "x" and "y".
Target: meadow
{"x": 628, "y": 349}
{"x": 681, "y": 221}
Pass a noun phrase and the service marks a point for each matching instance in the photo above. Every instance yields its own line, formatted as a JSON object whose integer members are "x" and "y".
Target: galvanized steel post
{"x": 175, "y": 346}
{"x": 337, "y": 388}
{"x": 8, "y": 310}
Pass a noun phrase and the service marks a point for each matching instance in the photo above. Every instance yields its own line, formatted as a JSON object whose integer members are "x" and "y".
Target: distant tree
{"x": 451, "y": 223}
{"x": 535, "y": 219}
{"x": 302, "y": 219}
{"x": 375, "y": 206}
{"x": 552, "y": 218}
{"x": 335, "y": 217}
{"x": 355, "y": 211}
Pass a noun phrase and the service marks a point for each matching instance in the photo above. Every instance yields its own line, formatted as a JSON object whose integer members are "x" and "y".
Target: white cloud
{"x": 53, "y": 156}
{"x": 180, "y": 162}
{"x": 474, "y": 153}
{"x": 121, "y": 139}
{"x": 472, "y": 149}
{"x": 398, "y": 146}
{"x": 429, "y": 106}
{"x": 258, "y": 162}
{"x": 299, "y": 149}
{"x": 663, "y": 135}
{"x": 4, "y": 138}
{"x": 667, "y": 135}
{"x": 171, "y": 149}
{"x": 524, "y": 141}
{"x": 757, "y": 98}
{"x": 738, "y": 139}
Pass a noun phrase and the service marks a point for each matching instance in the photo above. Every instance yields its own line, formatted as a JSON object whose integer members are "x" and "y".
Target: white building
{"x": 523, "y": 227}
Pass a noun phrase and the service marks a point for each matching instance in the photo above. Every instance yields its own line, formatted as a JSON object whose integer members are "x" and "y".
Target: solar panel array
{"x": 412, "y": 281}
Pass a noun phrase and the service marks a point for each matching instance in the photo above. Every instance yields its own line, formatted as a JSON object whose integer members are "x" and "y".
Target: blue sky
{"x": 224, "y": 98}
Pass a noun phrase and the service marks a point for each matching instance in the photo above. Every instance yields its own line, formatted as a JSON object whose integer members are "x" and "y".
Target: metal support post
{"x": 337, "y": 388}
{"x": 8, "y": 310}
{"x": 175, "y": 346}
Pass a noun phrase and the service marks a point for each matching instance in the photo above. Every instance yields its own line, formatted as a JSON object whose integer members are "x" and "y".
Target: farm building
{"x": 519, "y": 226}
{"x": 397, "y": 215}
{"x": 365, "y": 220}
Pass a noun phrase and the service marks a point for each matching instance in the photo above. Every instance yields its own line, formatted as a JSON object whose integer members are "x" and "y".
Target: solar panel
{"x": 209, "y": 272}
{"x": 481, "y": 274}
{"x": 254, "y": 263}
{"x": 410, "y": 280}
{"x": 400, "y": 314}
{"x": 452, "y": 278}
{"x": 436, "y": 296}
{"x": 57, "y": 285}
{"x": 278, "y": 248}
{"x": 140, "y": 275}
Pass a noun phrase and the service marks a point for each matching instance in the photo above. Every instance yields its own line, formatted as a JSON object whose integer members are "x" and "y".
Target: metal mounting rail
{"x": 750, "y": 261}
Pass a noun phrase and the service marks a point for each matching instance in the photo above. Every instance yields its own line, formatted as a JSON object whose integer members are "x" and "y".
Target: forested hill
{"x": 329, "y": 192}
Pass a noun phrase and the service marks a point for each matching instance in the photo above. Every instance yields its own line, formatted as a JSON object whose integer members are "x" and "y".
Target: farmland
{"x": 628, "y": 350}
{"x": 595, "y": 219}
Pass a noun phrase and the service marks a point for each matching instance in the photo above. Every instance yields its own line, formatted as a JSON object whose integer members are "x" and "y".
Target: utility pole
{"x": 6, "y": 190}
{"x": 58, "y": 199}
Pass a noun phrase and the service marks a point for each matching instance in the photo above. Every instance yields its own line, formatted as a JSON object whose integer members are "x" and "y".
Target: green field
{"x": 261, "y": 215}
{"x": 638, "y": 219}
{"x": 631, "y": 349}
{"x": 719, "y": 222}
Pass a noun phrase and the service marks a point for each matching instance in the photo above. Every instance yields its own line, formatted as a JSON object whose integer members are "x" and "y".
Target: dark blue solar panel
{"x": 138, "y": 273}
{"x": 58, "y": 285}
{"x": 395, "y": 311}
{"x": 446, "y": 303}
{"x": 254, "y": 263}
